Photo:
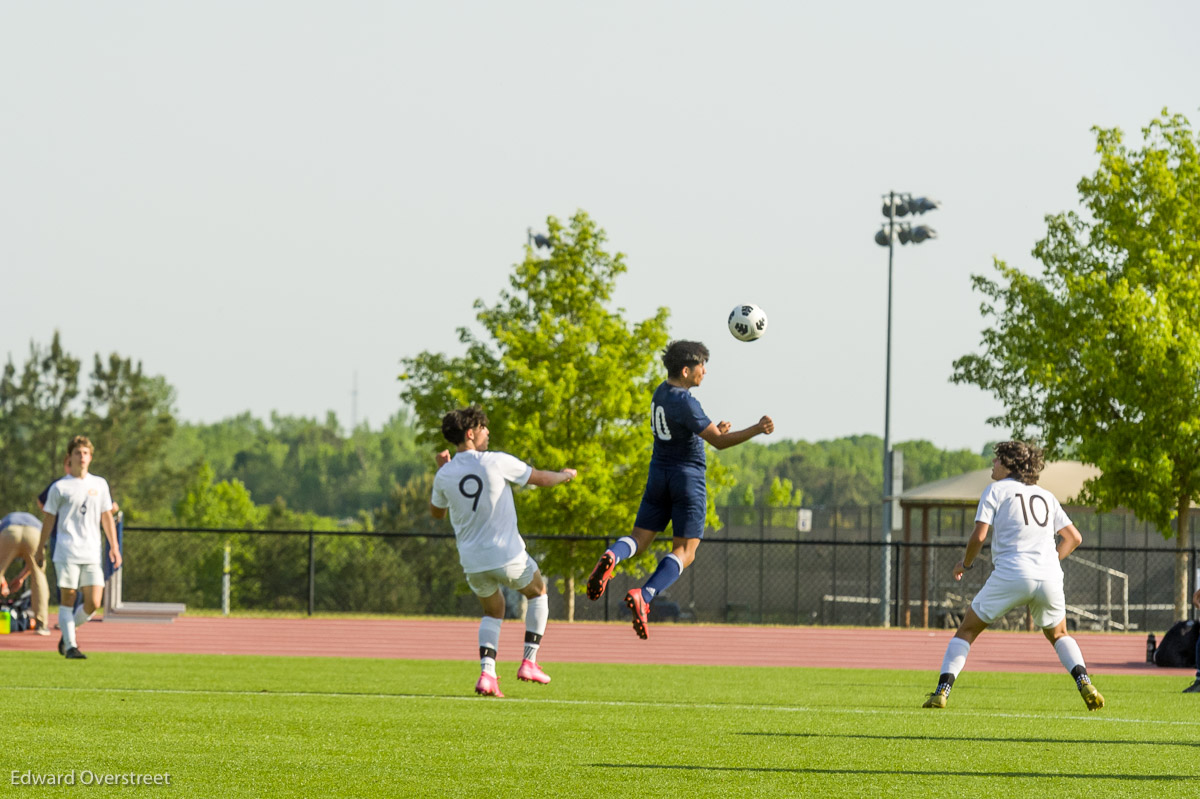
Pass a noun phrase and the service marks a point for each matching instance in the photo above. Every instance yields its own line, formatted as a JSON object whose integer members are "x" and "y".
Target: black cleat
{"x": 1194, "y": 688}
{"x": 61, "y": 649}
{"x": 74, "y": 654}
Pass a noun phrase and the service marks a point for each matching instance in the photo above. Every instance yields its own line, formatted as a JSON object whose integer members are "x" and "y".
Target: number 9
{"x": 462, "y": 488}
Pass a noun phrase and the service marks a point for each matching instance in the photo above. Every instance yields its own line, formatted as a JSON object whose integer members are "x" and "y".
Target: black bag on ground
{"x": 1178, "y": 647}
{"x": 19, "y": 611}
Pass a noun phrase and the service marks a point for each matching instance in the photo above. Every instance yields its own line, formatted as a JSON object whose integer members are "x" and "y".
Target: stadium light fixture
{"x": 536, "y": 239}
{"x": 894, "y": 205}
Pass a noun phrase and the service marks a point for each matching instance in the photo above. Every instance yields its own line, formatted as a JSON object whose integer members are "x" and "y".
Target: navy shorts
{"x": 677, "y": 496}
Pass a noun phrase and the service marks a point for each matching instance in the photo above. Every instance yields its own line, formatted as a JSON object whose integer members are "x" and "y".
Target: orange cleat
{"x": 603, "y": 572}
{"x": 641, "y": 612}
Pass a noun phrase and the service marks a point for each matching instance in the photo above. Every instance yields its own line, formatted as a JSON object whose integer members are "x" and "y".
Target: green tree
{"x": 37, "y": 418}
{"x": 129, "y": 417}
{"x": 208, "y": 503}
{"x": 1100, "y": 355}
{"x": 126, "y": 413}
{"x": 566, "y": 382}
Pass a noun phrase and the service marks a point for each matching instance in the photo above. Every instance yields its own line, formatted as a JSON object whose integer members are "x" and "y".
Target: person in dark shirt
{"x": 675, "y": 489}
{"x": 1194, "y": 688}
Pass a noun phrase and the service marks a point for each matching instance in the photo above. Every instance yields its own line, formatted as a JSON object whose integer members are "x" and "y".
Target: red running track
{"x": 592, "y": 642}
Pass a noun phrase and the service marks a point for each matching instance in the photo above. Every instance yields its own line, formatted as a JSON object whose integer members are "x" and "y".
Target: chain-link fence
{"x": 759, "y": 568}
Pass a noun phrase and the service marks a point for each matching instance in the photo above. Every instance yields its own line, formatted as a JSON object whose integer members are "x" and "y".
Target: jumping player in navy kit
{"x": 675, "y": 489}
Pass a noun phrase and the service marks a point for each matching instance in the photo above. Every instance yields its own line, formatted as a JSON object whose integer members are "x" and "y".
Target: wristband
{"x": 968, "y": 568}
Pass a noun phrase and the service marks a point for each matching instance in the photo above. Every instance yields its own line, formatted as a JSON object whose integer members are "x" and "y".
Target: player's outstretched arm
{"x": 720, "y": 436}
{"x": 544, "y": 479}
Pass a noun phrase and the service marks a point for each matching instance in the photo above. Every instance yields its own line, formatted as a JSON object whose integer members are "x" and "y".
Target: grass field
{"x": 305, "y": 727}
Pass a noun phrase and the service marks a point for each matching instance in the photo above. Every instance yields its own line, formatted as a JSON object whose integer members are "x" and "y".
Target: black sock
{"x": 945, "y": 683}
{"x": 1081, "y": 676}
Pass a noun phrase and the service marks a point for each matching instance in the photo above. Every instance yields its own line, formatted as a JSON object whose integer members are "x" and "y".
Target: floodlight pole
{"x": 916, "y": 235}
{"x": 885, "y": 581}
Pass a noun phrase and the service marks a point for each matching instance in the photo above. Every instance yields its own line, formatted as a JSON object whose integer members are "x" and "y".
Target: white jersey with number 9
{"x": 475, "y": 487}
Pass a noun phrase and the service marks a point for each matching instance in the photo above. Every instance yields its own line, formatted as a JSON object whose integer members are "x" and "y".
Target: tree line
{"x": 313, "y": 474}
{"x": 298, "y": 473}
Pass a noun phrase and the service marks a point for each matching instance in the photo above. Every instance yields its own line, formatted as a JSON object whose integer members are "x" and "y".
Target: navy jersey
{"x": 677, "y": 419}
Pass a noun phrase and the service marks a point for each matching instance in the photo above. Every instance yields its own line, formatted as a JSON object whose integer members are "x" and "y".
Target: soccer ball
{"x": 747, "y": 322}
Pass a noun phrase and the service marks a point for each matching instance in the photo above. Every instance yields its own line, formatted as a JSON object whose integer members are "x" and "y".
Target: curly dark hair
{"x": 456, "y": 423}
{"x": 1023, "y": 461}
{"x": 679, "y": 354}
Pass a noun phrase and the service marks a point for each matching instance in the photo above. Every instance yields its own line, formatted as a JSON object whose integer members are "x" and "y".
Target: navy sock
{"x": 622, "y": 549}
{"x": 668, "y": 571}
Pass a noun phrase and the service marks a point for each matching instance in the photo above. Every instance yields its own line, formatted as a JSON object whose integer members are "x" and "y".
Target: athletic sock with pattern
{"x": 1072, "y": 660}
{"x": 536, "y": 615}
{"x": 489, "y": 642}
{"x": 625, "y": 547}
{"x": 945, "y": 683}
{"x": 952, "y": 664}
{"x": 668, "y": 571}
{"x": 533, "y": 642}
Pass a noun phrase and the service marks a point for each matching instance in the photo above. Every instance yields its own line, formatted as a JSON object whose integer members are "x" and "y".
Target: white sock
{"x": 536, "y": 614}
{"x": 489, "y": 638}
{"x": 82, "y": 616}
{"x": 956, "y": 656}
{"x": 66, "y": 625}
{"x": 1068, "y": 653}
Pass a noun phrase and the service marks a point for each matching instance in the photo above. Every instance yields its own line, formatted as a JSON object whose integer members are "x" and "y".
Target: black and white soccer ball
{"x": 747, "y": 322}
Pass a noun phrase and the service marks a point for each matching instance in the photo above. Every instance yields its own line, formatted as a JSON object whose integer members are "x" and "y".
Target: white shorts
{"x": 1000, "y": 594}
{"x": 516, "y": 574}
{"x": 78, "y": 575}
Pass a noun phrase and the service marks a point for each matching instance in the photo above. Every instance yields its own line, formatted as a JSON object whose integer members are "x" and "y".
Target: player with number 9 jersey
{"x": 476, "y": 487}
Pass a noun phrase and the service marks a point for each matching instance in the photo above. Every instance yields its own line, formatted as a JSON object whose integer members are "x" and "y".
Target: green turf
{"x": 258, "y": 726}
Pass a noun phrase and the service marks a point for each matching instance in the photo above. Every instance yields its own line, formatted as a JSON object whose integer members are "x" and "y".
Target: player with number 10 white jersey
{"x": 1027, "y": 570}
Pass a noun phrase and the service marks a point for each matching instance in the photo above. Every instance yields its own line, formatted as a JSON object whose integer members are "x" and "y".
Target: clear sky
{"x": 259, "y": 200}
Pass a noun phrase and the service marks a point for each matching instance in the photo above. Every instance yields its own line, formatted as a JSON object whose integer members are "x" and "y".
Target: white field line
{"x": 1091, "y": 717}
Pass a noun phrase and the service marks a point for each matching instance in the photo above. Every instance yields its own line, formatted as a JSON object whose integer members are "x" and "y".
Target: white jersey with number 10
{"x": 1024, "y": 519}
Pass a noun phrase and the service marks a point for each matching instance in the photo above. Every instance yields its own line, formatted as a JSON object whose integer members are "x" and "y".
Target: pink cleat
{"x": 532, "y": 672}
{"x": 488, "y": 686}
